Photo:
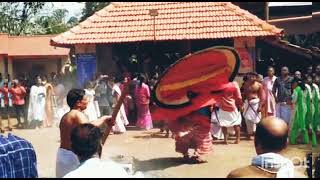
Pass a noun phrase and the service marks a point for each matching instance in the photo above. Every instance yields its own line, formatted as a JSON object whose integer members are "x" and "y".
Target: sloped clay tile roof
{"x": 131, "y": 22}
{"x": 30, "y": 46}
{"x": 34, "y": 46}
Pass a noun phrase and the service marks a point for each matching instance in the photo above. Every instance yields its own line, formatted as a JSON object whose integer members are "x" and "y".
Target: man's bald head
{"x": 271, "y": 135}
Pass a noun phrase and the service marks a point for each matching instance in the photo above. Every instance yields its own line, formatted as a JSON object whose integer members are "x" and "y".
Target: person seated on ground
{"x": 270, "y": 141}
{"x": 17, "y": 158}
{"x": 86, "y": 143}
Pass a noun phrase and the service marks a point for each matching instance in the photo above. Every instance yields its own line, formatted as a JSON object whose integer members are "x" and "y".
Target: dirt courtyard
{"x": 153, "y": 154}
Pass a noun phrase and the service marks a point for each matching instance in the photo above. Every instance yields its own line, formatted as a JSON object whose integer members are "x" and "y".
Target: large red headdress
{"x": 194, "y": 81}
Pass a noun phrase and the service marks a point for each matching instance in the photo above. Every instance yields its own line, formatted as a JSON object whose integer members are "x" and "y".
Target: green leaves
{"x": 22, "y": 18}
{"x": 92, "y": 7}
{"x": 15, "y": 16}
{"x": 56, "y": 23}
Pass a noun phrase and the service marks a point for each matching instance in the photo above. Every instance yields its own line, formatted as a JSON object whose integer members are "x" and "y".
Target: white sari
{"x": 92, "y": 110}
{"x": 37, "y": 102}
{"x": 121, "y": 119}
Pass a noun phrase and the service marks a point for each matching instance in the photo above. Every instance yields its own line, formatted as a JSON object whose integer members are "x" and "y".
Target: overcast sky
{"x": 75, "y": 8}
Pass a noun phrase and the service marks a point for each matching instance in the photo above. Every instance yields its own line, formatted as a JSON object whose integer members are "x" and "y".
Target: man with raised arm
{"x": 77, "y": 101}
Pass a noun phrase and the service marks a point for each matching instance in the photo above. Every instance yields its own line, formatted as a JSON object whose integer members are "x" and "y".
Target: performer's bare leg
{"x": 225, "y": 134}
{"x": 237, "y": 130}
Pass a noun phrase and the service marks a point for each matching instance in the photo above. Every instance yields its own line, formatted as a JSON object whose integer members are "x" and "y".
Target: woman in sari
{"x": 142, "y": 97}
{"x": 316, "y": 112}
{"x": 92, "y": 110}
{"x": 48, "y": 121}
{"x": 121, "y": 119}
{"x": 300, "y": 110}
{"x": 268, "y": 82}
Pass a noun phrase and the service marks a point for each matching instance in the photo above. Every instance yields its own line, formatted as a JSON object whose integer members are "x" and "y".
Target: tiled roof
{"x": 131, "y": 22}
{"x": 30, "y": 46}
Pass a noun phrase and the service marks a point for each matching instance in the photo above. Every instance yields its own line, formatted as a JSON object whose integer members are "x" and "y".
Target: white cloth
{"x": 229, "y": 119}
{"x": 250, "y": 112}
{"x": 96, "y": 168}
{"x": 121, "y": 119}
{"x": 275, "y": 162}
{"x": 60, "y": 102}
{"x": 37, "y": 102}
{"x": 91, "y": 110}
{"x": 216, "y": 129}
{"x": 62, "y": 110}
{"x": 66, "y": 162}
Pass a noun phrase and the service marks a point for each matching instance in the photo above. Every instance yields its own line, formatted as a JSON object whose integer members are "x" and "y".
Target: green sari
{"x": 309, "y": 105}
{"x": 316, "y": 114}
{"x": 299, "y": 118}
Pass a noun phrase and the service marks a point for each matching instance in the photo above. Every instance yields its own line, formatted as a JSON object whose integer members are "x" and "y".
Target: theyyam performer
{"x": 184, "y": 99}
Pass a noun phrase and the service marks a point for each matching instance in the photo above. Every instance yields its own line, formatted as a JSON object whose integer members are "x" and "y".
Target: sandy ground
{"x": 153, "y": 154}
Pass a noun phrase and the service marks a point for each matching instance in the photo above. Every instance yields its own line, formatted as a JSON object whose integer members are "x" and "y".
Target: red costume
{"x": 197, "y": 134}
{"x": 192, "y": 83}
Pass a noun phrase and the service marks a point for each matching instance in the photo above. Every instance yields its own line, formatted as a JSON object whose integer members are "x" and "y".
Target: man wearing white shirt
{"x": 86, "y": 144}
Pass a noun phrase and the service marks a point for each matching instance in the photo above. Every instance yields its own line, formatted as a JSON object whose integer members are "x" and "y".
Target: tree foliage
{"x": 55, "y": 23}
{"x": 91, "y": 7}
{"x": 15, "y": 16}
{"x": 21, "y": 18}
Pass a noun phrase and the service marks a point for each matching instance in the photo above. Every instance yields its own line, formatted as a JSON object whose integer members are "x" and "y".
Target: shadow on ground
{"x": 157, "y": 164}
{"x": 132, "y": 128}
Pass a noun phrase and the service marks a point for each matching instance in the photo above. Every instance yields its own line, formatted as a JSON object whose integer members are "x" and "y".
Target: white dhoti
{"x": 66, "y": 162}
{"x": 229, "y": 119}
{"x": 251, "y": 115}
{"x": 216, "y": 129}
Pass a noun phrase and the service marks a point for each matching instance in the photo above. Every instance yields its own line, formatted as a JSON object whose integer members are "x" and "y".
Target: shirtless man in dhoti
{"x": 253, "y": 102}
{"x": 67, "y": 161}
